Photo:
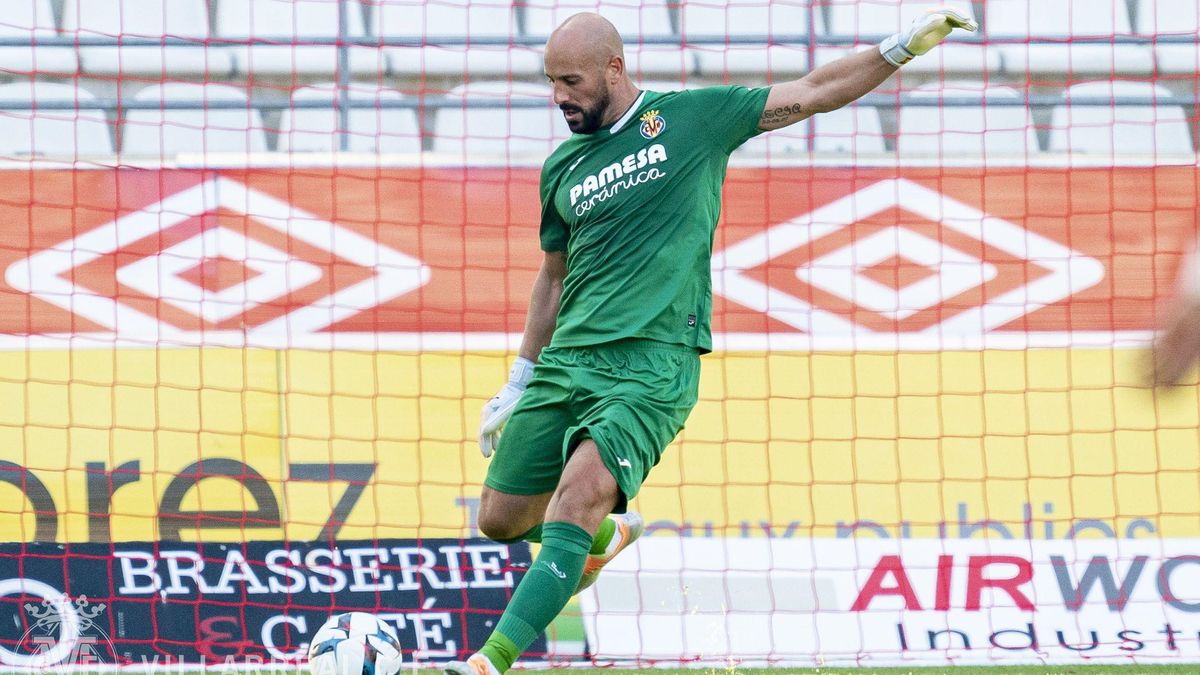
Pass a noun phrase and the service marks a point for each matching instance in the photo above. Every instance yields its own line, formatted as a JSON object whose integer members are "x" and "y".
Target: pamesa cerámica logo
{"x": 63, "y": 634}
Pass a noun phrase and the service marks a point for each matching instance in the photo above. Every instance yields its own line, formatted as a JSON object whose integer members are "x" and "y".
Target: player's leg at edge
{"x": 575, "y": 515}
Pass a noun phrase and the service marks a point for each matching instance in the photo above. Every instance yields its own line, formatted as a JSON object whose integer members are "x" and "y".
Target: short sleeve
{"x": 554, "y": 231}
{"x": 734, "y": 111}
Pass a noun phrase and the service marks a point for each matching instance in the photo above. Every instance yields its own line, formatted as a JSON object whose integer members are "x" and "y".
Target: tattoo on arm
{"x": 776, "y": 117}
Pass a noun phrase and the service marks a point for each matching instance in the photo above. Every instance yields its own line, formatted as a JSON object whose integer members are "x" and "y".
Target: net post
{"x": 343, "y": 76}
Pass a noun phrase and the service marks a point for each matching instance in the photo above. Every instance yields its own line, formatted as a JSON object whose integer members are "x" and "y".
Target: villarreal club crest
{"x": 652, "y": 124}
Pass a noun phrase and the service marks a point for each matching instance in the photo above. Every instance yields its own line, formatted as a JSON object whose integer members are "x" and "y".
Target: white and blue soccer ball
{"x": 354, "y": 643}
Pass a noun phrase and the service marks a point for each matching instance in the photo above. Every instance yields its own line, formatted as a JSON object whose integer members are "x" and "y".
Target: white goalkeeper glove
{"x": 925, "y": 33}
{"x": 497, "y": 411}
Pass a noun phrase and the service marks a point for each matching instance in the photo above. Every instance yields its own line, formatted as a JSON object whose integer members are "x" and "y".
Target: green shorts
{"x": 630, "y": 396}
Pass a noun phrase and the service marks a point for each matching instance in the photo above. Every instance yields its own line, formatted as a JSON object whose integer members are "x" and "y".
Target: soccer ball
{"x": 354, "y": 643}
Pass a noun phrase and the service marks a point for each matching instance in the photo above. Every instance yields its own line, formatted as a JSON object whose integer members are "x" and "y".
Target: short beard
{"x": 591, "y": 118}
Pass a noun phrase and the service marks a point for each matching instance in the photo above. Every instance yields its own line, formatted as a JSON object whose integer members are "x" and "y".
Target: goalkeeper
{"x": 620, "y": 309}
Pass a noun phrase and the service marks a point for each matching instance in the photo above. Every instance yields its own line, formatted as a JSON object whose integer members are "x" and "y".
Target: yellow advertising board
{"x": 233, "y": 444}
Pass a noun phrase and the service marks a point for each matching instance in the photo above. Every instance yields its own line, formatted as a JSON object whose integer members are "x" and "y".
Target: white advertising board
{"x": 900, "y": 602}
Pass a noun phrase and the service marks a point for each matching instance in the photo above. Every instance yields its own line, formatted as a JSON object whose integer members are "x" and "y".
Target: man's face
{"x": 581, "y": 93}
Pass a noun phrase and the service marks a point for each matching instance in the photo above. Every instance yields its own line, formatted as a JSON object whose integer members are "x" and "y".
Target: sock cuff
{"x": 517, "y": 632}
{"x": 501, "y": 650}
{"x": 566, "y": 536}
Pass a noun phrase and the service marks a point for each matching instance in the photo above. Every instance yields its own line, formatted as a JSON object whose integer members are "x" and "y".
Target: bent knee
{"x": 502, "y": 530}
{"x": 508, "y": 518}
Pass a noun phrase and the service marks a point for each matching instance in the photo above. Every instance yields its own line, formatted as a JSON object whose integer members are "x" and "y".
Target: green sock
{"x": 600, "y": 542}
{"x": 608, "y": 527}
{"x": 534, "y": 534}
{"x": 542, "y": 594}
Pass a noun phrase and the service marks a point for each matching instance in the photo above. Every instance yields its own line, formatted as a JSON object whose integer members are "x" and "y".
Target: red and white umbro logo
{"x": 219, "y": 256}
{"x": 898, "y": 257}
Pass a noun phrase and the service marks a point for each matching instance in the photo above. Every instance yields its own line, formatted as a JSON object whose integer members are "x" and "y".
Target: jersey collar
{"x": 628, "y": 114}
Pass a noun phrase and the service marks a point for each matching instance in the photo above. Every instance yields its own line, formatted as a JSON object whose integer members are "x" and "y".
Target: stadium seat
{"x": 1106, "y": 129}
{"x": 479, "y": 132}
{"x": 146, "y": 19}
{"x": 870, "y": 22}
{"x": 1177, "y": 19}
{"x": 373, "y": 130}
{"x": 743, "y": 20}
{"x": 1066, "y": 21}
{"x": 169, "y": 131}
{"x": 965, "y": 132}
{"x": 788, "y": 141}
{"x": 634, "y": 19}
{"x": 25, "y": 20}
{"x": 290, "y": 21}
{"x": 64, "y": 134}
{"x": 460, "y": 21}
{"x": 854, "y": 129}
{"x": 667, "y": 85}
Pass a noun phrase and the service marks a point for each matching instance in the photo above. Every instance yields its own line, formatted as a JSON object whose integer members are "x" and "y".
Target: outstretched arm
{"x": 847, "y": 79}
{"x": 1177, "y": 348}
{"x": 539, "y": 327}
{"x": 543, "y": 305}
{"x": 829, "y": 87}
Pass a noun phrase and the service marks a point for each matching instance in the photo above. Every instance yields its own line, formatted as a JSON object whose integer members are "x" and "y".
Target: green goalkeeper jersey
{"x": 635, "y": 206}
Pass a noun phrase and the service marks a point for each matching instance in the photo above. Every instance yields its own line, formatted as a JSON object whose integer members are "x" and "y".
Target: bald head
{"x": 585, "y": 63}
{"x": 588, "y": 37}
